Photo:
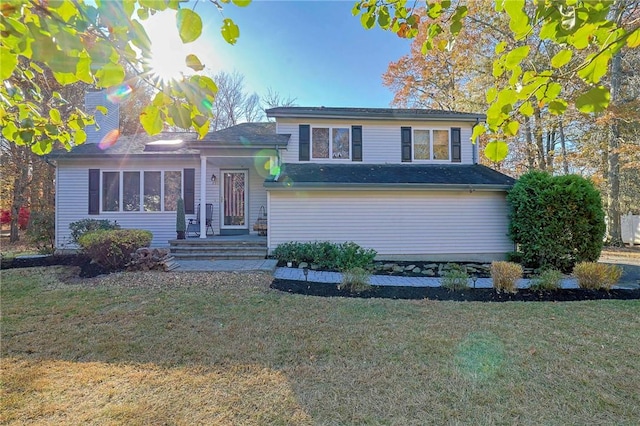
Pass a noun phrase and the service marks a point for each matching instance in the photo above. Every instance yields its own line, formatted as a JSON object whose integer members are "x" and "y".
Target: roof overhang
{"x": 324, "y": 186}
{"x": 374, "y": 114}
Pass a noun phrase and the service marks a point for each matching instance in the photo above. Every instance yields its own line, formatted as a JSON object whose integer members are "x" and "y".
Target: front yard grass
{"x": 203, "y": 348}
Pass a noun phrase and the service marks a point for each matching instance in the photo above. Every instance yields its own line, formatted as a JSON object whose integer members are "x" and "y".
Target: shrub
{"x": 356, "y": 280}
{"x": 548, "y": 279}
{"x": 326, "y": 254}
{"x": 23, "y": 218}
{"x": 81, "y": 227}
{"x": 5, "y": 217}
{"x": 112, "y": 249}
{"x": 351, "y": 255}
{"x": 456, "y": 278}
{"x": 556, "y": 221}
{"x": 596, "y": 276}
{"x": 505, "y": 276}
{"x": 41, "y": 230}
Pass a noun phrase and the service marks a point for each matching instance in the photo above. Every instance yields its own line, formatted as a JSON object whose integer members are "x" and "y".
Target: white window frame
{"x": 431, "y": 152}
{"x": 121, "y": 191}
{"x": 330, "y": 158}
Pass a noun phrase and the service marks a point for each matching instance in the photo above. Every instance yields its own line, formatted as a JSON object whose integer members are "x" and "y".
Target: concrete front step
{"x": 218, "y": 249}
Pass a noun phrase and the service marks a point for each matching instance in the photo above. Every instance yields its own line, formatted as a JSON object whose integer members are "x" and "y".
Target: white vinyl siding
{"x": 72, "y": 199}
{"x": 419, "y": 223}
{"x": 380, "y": 140}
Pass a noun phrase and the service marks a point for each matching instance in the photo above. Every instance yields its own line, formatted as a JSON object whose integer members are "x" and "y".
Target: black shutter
{"x": 304, "y": 144}
{"x": 456, "y": 147}
{"x": 405, "y": 133}
{"x": 356, "y": 143}
{"x": 94, "y": 191}
{"x": 189, "y": 191}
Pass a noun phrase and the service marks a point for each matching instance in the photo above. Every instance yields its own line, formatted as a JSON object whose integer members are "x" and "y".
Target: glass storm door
{"x": 234, "y": 199}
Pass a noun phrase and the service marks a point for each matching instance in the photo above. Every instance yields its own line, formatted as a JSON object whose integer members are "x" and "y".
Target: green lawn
{"x": 202, "y": 348}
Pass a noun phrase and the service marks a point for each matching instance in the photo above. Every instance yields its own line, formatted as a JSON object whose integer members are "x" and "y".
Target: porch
{"x": 220, "y": 247}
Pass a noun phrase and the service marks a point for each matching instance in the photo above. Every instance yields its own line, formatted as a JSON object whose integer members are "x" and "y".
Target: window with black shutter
{"x": 456, "y": 145}
{"x": 304, "y": 138}
{"x": 356, "y": 143}
{"x": 189, "y": 191}
{"x": 405, "y": 135}
{"x": 94, "y": 191}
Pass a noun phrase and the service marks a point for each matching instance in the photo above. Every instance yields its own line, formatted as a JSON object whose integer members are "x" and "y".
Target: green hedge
{"x": 83, "y": 226}
{"x": 556, "y": 221}
{"x": 112, "y": 249}
{"x": 325, "y": 254}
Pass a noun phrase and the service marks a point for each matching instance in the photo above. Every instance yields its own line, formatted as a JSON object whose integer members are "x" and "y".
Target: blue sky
{"x": 314, "y": 51}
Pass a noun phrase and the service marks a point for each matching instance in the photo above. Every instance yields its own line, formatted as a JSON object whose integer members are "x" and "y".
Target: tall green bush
{"x": 556, "y": 221}
{"x": 41, "y": 231}
{"x": 112, "y": 249}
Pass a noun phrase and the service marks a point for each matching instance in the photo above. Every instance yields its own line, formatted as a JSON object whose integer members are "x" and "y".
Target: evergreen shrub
{"x": 556, "y": 221}
{"x": 112, "y": 249}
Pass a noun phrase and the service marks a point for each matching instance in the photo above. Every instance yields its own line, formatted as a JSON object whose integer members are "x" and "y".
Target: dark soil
{"x": 87, "y": 268}
{"x": 440, "y": 293}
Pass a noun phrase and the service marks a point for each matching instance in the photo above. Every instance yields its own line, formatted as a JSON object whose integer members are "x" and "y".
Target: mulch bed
{"x": 440, "y": 293}
{"x": 87, "y": 269}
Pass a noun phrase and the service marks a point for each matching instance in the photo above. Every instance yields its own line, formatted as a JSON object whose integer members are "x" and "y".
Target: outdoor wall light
{"x": 213, "y": 178}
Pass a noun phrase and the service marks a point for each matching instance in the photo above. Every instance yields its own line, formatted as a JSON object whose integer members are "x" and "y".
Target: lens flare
{"x": 208, "y": 105}
{"x": 118, "y": 94}
{"x": 109, "y": 139}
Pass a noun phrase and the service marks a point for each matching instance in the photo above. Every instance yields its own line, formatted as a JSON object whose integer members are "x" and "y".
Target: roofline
{"x": 374, "y": 186}
{"x": 137, "y": 155}
{"x": 211, "y": 145}
{"x": 377, "y": 115}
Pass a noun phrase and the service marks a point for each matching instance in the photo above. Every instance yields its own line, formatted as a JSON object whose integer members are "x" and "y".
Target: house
{"x": 405, "y": 182}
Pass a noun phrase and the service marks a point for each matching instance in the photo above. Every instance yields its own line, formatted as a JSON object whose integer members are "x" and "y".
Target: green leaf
{"x": 368, "y": 20}
{"x": 189, "y": 25}
{"x": 597, "y": 66}
{"x": 557, "y": 106}
{"x": 595, "y": 100}
{"x": 230, "y": 31}
{"x": 383, "y": 17}
{"x": 516, "y": 56}
{"x": 500, "y": 47}
{"x": 478, "y": 129}
{"x": 194, "y": 63}
{"x": 526, "y": 109}
{"x": 519, "y": 21}
{"x": 552, "y": 91}
{"x": 496, "y": 151}
{"x": 79, "y": 137}
{"x": 242, "y": 3}
{"x": 151, "y": 120}
{"x": 491, "y": 94}
{"x": 634, "y": 39}
{"x": 561, "y": 58}
{"x": 180, "y": 115}
{"x": 110, "y": 75}
{"x": 9, "y": 62}
{"x": 511, "y": 128}
{"x": 54, "y": 114}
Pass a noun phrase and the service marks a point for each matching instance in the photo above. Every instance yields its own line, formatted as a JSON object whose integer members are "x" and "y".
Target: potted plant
{"x": 181, "y": 222}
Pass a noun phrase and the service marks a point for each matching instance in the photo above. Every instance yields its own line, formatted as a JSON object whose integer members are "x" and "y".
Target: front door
{"x": 234, "y": 200}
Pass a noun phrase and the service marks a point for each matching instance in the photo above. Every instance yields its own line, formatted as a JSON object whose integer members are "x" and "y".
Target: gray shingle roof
{"x": 391, "y": 175}
{"x": 373, "y": 113}
{"x": 243, "y": 135}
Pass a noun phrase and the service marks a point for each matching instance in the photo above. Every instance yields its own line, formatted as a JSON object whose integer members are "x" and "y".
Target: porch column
{"x": 203, "y": 197}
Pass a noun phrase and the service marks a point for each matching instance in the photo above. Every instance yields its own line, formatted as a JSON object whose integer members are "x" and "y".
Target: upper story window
{"x": 331, "y": 142}
{"x": 431, "y": 144}
{"x": 149, "y": 191}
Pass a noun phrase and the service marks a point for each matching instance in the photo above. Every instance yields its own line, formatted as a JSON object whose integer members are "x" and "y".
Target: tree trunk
{"x": 537, "y": 125}
{"x": 613, "y": 173}
{"x": 563, "y": 147}
{"x": 529, "y": 142}
{"x": 20, "y": 155}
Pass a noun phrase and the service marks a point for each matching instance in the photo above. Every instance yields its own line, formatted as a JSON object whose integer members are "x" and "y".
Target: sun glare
{"x": 168, "y": 53}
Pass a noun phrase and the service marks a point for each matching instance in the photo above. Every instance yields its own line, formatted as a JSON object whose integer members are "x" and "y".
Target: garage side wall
{"x": 407, "y": 225}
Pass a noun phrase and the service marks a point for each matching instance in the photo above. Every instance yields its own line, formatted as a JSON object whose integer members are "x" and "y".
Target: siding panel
{"x": 380, "y": 140}
{"x": 395, "y": 223}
